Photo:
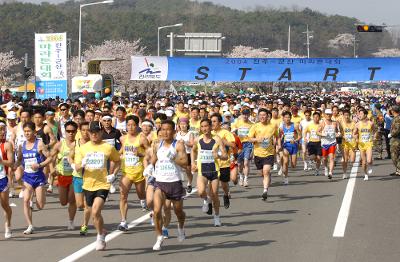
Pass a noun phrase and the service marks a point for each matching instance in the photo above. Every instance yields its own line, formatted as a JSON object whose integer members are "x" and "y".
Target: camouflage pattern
{"x": 395, "y": 142}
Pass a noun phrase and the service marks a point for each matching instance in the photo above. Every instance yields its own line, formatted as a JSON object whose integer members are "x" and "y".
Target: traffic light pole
{"x": 26, "y": 80}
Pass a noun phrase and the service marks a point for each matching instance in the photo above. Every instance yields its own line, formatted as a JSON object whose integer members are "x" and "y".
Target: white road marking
{"x": 344, "y": 211}
{"x": 91, "y": 247}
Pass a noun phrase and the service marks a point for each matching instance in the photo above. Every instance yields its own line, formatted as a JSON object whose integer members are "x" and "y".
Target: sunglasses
{"x": 70, "y": 131}
{"x": 63, "y": 109}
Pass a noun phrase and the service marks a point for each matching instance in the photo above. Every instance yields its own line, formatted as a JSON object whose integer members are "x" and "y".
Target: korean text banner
{"x": 51, "y": 65}
{"x": 265, "y": 69}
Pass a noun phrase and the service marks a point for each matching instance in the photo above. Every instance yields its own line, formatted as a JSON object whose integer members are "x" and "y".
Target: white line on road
{"x": 91, "y": 247}
{"x": 344, "y": 211}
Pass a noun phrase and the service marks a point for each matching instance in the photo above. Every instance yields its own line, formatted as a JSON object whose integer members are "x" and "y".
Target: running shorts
{"x": 364, "y": 146}
{"x": 260, "y": 162}
{"x": 210, "y": 175}
{"x": 291, "y": 148}
{"x": 246, "y": 152}
{"x": 225, "y": 174}
{"x": 328, "y": 149}
{"x": 134, "y": 177}
{"x": 65, "y": 181}
{"x": 349, "y": 146}
{"x": 90, "y": 196}
{"x": 314, "y": 148}
{"x": 172, "y": 190}
{"x": 35, "y": 180}
{"x": 78, "y": 183}
{"x": 3, "y": 184}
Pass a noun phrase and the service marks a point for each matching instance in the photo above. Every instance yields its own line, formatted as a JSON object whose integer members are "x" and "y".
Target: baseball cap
{"x": 95, "y": 126}
{"x": 10, "y": 105}
{"x": 11, "y": 115}
{"x": 328, "y": 111}
{"x": 227, "y": 113}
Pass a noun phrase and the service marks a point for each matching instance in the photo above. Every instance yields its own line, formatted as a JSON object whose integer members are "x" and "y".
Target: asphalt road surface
{"x": 296, "y": 223}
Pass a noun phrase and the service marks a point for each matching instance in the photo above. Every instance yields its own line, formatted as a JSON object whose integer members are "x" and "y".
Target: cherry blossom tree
{"x": 341, "y": 41}
{"x": 7, "y": 61}
{"x": 251, "y": 52}
{"x": 394, "y": 52}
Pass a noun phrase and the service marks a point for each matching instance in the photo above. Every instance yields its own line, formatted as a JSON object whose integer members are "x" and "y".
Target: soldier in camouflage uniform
{"x": 395, "y": 139}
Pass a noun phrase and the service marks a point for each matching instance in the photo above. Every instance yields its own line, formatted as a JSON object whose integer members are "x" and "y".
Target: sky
{"x": 371, "y": 11}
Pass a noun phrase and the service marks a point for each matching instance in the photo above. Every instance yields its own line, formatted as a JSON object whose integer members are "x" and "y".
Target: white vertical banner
{"x": 51, "y": 65}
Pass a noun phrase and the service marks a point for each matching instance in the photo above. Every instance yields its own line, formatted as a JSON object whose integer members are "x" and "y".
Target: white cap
{"x": 11, "y": 115}
{"x": 225, "y": 108}
{"x": 186, "y": 105}
{"x": 227, "y": 113}
{"x": 169, "y": 113}
{"x": 252, "y": 106}
{"x": 10, "y": 105}
{"x": 236, "y": 107}
{"x": 328, "y": 111}
{"x": 196, "y": 103}
{"x": 224, "y": 103}
{"x": 190, "y": 102}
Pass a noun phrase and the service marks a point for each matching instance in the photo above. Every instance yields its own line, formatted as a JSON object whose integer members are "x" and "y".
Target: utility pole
{"x": 171, "y": 44}
{"x": 309, "y": 35}
{"x": 25, "y": 78}
{"x": 288, "y": 44}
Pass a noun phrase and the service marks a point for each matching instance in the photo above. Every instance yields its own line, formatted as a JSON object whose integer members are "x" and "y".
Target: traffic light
{"x": 27, "y": 72}
{"x": 369, "y": 28}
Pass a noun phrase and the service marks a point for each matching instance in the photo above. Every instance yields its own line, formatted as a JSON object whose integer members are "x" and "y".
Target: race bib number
{"x": 289, "y": 137}
{"x": 313, "y": 135}
{"x": 243, "y": 131}
{"x": 29, "y": 162}
{"x": 110, "y": 141}
{"x": 66, "y": 165}
{"x": 348, "y": 137}
{"x": 95, "y": 160}
{"x": 365, "y": 137}
{"x": 265, "y": 143}
{"x": 206, "y": 156}
{"x": 131, "y": 160}
{"x": 165, "y": 168}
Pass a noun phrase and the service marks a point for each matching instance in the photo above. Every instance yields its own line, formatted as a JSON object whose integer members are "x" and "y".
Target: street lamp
{"x": 158, "y": 35}
{"x": 80, "y": 25}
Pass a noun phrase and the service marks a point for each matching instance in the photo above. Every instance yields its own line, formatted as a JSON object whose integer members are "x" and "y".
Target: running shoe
{"x": 157, "y": 245}
{"x": 366, "y": 178}
{"x": 123, "y": 226}
{"x": 227, "y": 202}
{"x": 241, "y": 181}
{"x": 280, "y": 172}
{"x": 181, "y": 234}
{"x": 83, "y": 231}
{"x": 11, "y": 193}
{"x": 329, "y": 176}
{"x": 100, "y": 245}
{"x": 326, "y": 171}
{"x": 205, "y": 206}
{"x": 305, "y": 166}
{"x": 50, "y": 189}
{"x": 21, "y": 194}
{"x": 246, "y": 182}
{"x": 29, "y": 230}
{"x": 316, "y": 173}
{"x": 217, "y": 221}
{"x": 165, "y": 232}
{"x": 286, "y": 181}
{"x": 189, "y": 189}
{"x": 112, "y": 189}
{"x": 7, "y": 234}
{"x": 210, "y": 209}
{"x": 369, "y": 171}
{"x": 143, "y": 205}
{"x": 70, "y": 225}
{"x": 275, "y": 167}
{"x": 265, "y": 195}
{"x": 344, "y": 176}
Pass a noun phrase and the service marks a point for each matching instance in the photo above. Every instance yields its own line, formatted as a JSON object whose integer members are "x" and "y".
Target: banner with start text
{"x": 265, "y": 69}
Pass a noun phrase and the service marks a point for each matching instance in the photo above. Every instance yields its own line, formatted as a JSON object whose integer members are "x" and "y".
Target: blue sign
{"x": 282, "y": 69}
{"x": 51, "y": 89}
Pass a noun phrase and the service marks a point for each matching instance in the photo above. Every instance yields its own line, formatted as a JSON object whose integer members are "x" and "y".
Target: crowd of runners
{"x": 92, "y": 148}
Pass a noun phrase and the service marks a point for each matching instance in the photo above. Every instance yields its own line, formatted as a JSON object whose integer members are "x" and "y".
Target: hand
{"x": 194, "y": 167}
{"x": 35, "y": 166}
{"x": 84, "y": 162}
{"x": 148, "y": 171}
{"x": 110, "y": 178}
{"x": 292, "y": 141}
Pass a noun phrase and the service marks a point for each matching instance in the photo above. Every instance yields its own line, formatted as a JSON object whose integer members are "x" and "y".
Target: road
{"x": 296, "y": 223}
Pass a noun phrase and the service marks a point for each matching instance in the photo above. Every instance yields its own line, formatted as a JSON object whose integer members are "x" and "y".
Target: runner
{"x": 313, "y": 141}
{"x": 224, "y": 165}
{"x": 77, "y": 177}
{"x": 264, "y": 135}
{"x": 329, "y": 131}
{"x": 6, "y": 160}
{"x": 119, "y": 121}
{"x": 363, "y": 131}
{"x": 64, "y": 171}
{"x": 31, "y": 154}
{"x": 290, "y": 135}
{"x": 64, "y": 117}
{"x": 349, "y": 143}
{"x": 242, "y": 127}
{"x": 303, "y": 126}
{"x": 187, "y": 138}
{"x": 134, "y": 145}
{"x": 169, "y": 156}
{"x": 93, "y": 157}
{"x": 206, "y": 149}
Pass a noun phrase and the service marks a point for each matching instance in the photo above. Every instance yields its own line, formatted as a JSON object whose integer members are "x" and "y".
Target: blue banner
{"x": 51, "y": 89}
{"x": 269, "y": 70}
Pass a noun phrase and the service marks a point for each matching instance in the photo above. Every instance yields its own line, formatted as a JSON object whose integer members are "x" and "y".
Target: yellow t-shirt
{"x": 180, "y": 114}
{"x": 276, "y": 121}
{"x": 296, "y": 119}
{"x": 131, "y": 162}
{"x": 312, "y": 129}
{"x": 194, "y": 127}
{"x": 243, "y": 129}
{"x": 95, "y": 172}
{"x": 222, "y": 133}
{"x": 268, "y": 132}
